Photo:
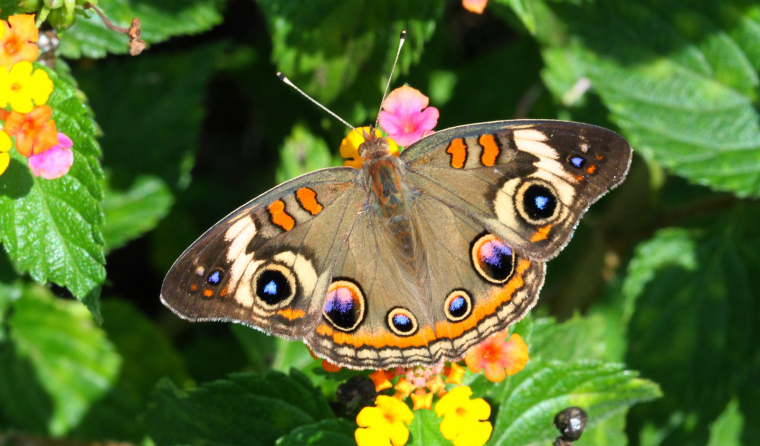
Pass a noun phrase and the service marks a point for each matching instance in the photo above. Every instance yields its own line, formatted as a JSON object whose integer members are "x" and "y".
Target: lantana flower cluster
{"x": 464, "y": 420}
{"x": 26, "y": 121}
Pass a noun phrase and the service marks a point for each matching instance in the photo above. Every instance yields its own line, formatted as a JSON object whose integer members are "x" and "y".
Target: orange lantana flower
{"x": 498, "y": 357}
{"x": 381, "y": 379}
{"x": 35, "y": 132}
{"x": 476, "y": 6}
{"x": 17, "y": 42}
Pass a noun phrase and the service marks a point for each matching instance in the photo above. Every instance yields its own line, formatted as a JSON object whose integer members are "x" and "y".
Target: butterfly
{"x": 412, "y": 259}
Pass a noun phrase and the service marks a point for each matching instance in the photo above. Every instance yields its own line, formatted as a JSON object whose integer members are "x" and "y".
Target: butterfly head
{"x": 374, "y": 146}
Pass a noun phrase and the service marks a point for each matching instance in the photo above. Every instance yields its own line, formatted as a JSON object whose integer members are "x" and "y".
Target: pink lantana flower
{"x": 54, "y": 162}
{"x": 405, "y": 117}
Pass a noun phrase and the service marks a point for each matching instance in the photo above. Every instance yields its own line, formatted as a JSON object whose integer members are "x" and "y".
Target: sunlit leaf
{"x": 55, "y": 363}
{"x": 147, "y": 356}
{"x": 680, "y": 80}
{"x": 132, "y": 212}
{"x": 323, "y": 61}
{"x": 694, "y": 312}
{"x": 161, "y": 19}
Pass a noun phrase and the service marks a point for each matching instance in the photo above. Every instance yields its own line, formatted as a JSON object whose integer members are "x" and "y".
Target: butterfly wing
{"x": 529, "y": 182}
{"x": 379, "y": 312}
{"x": 255, "y": 267}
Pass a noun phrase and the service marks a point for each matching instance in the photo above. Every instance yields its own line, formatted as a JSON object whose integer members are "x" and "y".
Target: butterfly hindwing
{"x": 422, "y": 314}
{"x": 527, "y": 181}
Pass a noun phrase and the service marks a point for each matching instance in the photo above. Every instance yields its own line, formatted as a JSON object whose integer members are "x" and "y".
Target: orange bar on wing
{"x": 541, "y": 234}
{"x": 458, "y": 151}
{"x": 308, "y": 199}
{"x": 490, "y": 150}
{"x": 280, "y": 217}
{"x": 291, "y": 314}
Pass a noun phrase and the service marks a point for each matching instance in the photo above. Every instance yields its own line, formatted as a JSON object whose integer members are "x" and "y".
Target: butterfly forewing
{"x": 527, "y": 181}
{"x": 262, "y": 264}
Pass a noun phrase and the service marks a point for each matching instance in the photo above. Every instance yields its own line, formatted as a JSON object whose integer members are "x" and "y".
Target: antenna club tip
{"x": 403, "y": 34}
{"x": 281, "y": 76}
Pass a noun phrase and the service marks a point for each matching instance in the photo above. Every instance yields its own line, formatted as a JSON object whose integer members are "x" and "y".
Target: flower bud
{"x": 61, "y": 19}
{"x": 29, "y": 5}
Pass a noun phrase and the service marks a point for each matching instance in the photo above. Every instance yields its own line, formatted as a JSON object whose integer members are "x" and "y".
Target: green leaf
{"x": 424, "y": 430}
{"x": 258, "y": 347}
{"x": 670, "y": 247}
{"x": 694, "y": 319}
{"x": 727, "y": 428}
{"x": 680, "y": 79}
{"x": 302, "y": 153}
{"x": 148, "y": 356}
{"x": 51, "y": 228}
{"x": 334, "y": 432}
{"x": 55, "y": 363}
{"x": 610, "y": 432}
{"x": 8, "y": 8}
{"x": 244, "y": 409}
{"x": 324, "y": 62}
{"x": 161, "y": 19}
{"x": 524, "y": 11}
{"x": 524, "y": 405}
{"x": 574, "y": 339}
{"x": 134, "y": 211}
{"x": 271, "y": 352}
{"x": 529, "y": 400}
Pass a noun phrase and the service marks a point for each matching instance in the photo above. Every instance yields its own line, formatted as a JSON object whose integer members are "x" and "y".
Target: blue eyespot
{"x": 273, "y": 287}
{"x": 458, "y": 305}
{"x": 402, "y": 322}
{"x": 214, "y": 278}
{"x": 539, "y": 203}
{"x": 344, "y": 305}
{"x": 492, "y": 259}
{"x": 270, "y": 288}
{"x": 577, "y": 161}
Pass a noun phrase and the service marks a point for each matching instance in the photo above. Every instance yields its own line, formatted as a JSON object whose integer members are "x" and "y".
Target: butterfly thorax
{"x": 389, "y": 196}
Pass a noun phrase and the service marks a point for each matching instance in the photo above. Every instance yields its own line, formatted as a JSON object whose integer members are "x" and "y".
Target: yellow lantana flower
{"x": 5, "y": 147}
{"x": 349, "y": 147}
{"x": 383, "y": 425}
{"x": 464, "y": 420}
{"x": 22, "y": 88}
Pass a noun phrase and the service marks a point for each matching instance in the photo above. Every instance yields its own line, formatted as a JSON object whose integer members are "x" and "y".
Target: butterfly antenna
{"x": 401, "y": 40}
{"x": 287, "y": 82}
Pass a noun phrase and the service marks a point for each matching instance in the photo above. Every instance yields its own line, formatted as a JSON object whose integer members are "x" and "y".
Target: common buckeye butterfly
{"x": 412, "y": 259}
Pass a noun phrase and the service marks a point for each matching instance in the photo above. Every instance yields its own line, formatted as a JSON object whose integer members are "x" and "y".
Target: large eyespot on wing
{"x": 262, "y": 264}
{"x": 528, "y": 182}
